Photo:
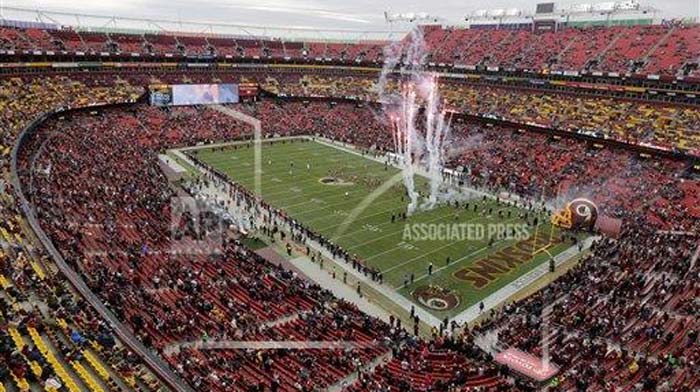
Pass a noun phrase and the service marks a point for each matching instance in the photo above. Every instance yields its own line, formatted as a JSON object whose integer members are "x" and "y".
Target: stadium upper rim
{"x": 87, "y": 22}
{"x": 47, "y": 19}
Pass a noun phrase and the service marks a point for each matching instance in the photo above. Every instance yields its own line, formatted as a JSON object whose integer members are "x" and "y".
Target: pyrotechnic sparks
{"x": 420, "y": 91}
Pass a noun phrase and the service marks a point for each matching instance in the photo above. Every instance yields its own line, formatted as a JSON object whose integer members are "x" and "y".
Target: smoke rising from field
{"x": 418, "y": 121}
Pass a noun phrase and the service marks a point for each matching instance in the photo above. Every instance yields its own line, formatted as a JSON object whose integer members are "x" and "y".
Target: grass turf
{"x": 288, "y": 184}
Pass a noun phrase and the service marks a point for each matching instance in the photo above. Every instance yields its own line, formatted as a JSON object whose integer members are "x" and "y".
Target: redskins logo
{"x": 436, "y": 298}
{"x": 578, "y": 214}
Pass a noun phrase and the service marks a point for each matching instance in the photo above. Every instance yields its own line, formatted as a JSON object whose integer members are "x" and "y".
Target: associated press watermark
{"x": 466, "y": 232}
{"x": 196, "y": 227}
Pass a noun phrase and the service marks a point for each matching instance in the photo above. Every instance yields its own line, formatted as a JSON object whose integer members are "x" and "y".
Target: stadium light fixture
{"x": 549, "y": 11}
{"x": 581, "y": 8}
{"x": 627, "y": 5}
{"x": 603, "y": 7}
{"x": 499, "y": 14}
{"x": 410, "y": 17}
{"x": 513, "y": 12}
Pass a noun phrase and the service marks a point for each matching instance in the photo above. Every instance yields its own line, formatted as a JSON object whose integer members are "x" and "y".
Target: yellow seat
{"x": 16, "y": 338}
{"x": 62, "y": 373}
{"x": 62, "y": 323}
{"x": 38, "y": 270}
{"x": 51, "y": 359}
{"x": 21, "y": 383}
{"x": 4, "y": 283}
{"x": 95, "y": 346}
{"x": 5, "y": 234}
{"x": 96, "y": 365}
{"x": 90, "y": 381}
{"x": 36, "y": 368}
{"x": 130, "y": 381}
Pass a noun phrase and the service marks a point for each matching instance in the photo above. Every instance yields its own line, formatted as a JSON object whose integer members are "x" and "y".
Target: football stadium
{"x": 385, "y": 197}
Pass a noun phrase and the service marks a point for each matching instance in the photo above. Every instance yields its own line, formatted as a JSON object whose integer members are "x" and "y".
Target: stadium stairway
{"x": 367, "y": 368}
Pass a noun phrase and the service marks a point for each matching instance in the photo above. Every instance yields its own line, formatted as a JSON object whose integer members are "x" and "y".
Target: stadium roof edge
{"x": 94, "y": 22}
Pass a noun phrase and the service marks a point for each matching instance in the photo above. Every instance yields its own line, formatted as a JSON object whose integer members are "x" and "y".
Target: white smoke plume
{"x": 415, "y": 89}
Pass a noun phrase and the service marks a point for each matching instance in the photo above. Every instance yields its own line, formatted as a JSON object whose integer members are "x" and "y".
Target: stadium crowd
{"x": 617, "y": 318}
{"x": 49, "y": 338}
{"x": 656, "y": 49}
{"x": 106, "y": 205}
{"x": 657, "y": 192}
{"x": 526, "y": 163}
{"x": 663, "y": 125}
{"x": 171, "y": 294}
{"x": 666, "y": 49}
{"x": 124, "y": 249}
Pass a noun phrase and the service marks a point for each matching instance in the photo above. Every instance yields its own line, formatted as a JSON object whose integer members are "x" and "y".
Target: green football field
{"x": 289, "y": 184}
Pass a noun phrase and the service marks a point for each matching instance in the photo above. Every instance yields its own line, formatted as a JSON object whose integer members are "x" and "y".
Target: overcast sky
{"x": 343, "y": 14}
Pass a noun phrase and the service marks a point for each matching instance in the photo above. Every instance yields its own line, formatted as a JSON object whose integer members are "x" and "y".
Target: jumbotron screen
{"x": 194, "y": 94}
{"x": 545, "y": 8}
{"x": 203, "y": 94}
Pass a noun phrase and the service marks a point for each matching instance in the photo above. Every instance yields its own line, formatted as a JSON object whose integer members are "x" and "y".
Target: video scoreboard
{"x": 193, "y": 94}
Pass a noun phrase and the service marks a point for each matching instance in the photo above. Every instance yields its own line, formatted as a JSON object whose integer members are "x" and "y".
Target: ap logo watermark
{"x": 196, "y": 227}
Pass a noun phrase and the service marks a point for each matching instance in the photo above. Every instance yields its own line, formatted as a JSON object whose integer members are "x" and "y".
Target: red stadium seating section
{"x": 660, "y": 50}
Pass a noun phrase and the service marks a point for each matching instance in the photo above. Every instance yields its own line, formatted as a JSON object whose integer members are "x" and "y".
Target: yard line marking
{"x": 349, "y": 158}
{"x": 454, "y": 263}
{"x": 301, "y": 152}
{"x": 432, "y": 251}
{"x": 389, "y": 222}
{"x": 337, "y": 152}
{"x": 284, "y": 190}
{"x": 306, "y": 196}
{"x": 242, "y": 180}
{"x": 428, "y": 221}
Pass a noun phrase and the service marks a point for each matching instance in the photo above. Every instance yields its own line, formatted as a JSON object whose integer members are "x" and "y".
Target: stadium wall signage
{"x": 527, "y": 364}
